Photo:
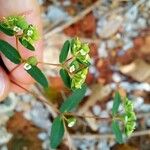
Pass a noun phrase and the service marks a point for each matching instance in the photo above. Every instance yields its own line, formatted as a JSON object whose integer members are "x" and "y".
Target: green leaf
{"x": 73, "y": 100}
{"x": 6, "y": 30}
{"x": 116, "y": 130}
{"x": 26, "y": 44}
{"x": 64, "y": 51}
{"x": 10, "y": 52}
{"x": 37, "y": 74}
{"x": 21, "y": 22}
{"x": 57, "y": 132}
{"x": 65, "y": 77}
{"x": 116, "y": 103}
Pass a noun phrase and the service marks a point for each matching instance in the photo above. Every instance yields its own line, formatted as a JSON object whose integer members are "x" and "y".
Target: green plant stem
{"x": 50, "y": 64}
{"x": 37, "y": 97}
{"x": 68, "y": 59}
{"x": 84, "y": 116}
{"x": 16, "y": 42}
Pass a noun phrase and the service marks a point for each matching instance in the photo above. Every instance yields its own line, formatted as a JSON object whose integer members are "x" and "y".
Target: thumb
{"x": 4, "y": 84}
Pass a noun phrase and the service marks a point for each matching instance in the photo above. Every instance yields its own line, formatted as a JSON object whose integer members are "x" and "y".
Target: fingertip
{"x": 4, "y": 84}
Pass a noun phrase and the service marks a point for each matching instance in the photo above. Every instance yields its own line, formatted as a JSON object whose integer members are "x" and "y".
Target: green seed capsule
{"x": 32, "y": 61}
{"x": 71, "y": 122}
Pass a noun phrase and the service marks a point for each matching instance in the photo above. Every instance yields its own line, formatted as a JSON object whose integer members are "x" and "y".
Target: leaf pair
{"x": 57, "y": 130}
{"x": 13, "y": 55}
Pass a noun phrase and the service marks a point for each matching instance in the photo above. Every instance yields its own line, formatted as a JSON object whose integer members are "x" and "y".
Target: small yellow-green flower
{"x": 79, "y": 78}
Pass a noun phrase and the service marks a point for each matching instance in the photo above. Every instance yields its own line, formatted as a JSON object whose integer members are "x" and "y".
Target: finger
{"x": 18, "y": 87}
{"x": 19, "y": 74}
{"x": 4, "y": 84}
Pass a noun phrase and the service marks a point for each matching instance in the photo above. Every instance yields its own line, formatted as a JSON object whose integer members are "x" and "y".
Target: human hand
{"x": 18, "y": 75}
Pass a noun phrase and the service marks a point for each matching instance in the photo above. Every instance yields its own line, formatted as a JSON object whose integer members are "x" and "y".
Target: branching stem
{"x": 84, "y": 116}
{"x": 50, "y": 64}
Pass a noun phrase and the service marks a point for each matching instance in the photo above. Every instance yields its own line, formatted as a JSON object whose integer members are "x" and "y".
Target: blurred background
{"x": 118, "y": 32}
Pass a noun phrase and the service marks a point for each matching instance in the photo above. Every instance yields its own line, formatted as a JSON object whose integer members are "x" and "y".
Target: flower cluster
{"x": 129, "y": 117}
{"x": 18, "y": 26}
{"x": 79, "y": 66}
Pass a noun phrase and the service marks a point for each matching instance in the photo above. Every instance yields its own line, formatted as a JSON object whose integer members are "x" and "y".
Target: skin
{"x": 31, "y": 11}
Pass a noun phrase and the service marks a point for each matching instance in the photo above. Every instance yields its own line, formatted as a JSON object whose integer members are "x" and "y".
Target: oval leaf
{"x": 116, "y": 103}
{"x": 26, "y": 44}
{"x": 6, "y": 30}
{"x": 37, "y": 74}
{"x": 57, "y": 132}
{"x": 10, "y": 52}
{"x": 73, "y": 100}
{"x": 64, "y": 51}
{"x": 65, "y": 77}
{"x": 116, "y": 130}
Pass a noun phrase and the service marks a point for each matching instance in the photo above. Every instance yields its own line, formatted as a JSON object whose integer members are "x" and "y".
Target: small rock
{"x": 116, "y": 77}
{"x": 148, "y": 122}
{"x": 132, "y": 14}
{"x": 27, "y": 115}
{"x": 42, "y": 136}
{"x": 138, "y": 101}
{"x": 57, "y": 14}
{"x": 45, "y": 145}
{"x": 103, "y": 145}
{"x": 92, "y": 69}
{"x": 109, "y": 105}
{"x": 4, "y": 136}
{"x": 104, "y": 114}
{"x": 104, "y": 127}
{"x": 145, "y": 108}
{"x": 4, "y": 147}
{"x": 102, "y": 52}
{"x": 96, "y": 110}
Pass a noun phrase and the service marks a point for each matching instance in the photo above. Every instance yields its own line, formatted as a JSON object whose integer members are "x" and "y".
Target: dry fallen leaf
{"x": 139, "y": 70}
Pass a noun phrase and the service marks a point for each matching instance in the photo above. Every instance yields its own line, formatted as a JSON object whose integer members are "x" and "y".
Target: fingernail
{"x": 2, "y": 82}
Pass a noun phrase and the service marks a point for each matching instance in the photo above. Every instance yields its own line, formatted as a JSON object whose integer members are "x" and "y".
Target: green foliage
{"x": 37, "y": 74}
{"x": 79, "y": 78}
{"x": 73, "y": 73}
{"x": 127, "y": 117}
{"x": 30, "y": 35}
{"x": 76, "y": 67}
{"x": 65, "y": 77}
{"x": 10, "y": 52}
{"x": 116, "y": 130}
{"x": 18, "y": 26}
{"x": 64, "y": 52}
{"x": 8, "y": 31}
{"x": 73, "y": 100}
{"x": 13, "y": 25}
{"x": 26, "y": 43}
{"x": 57, "y": 132}
{"x": 117, "y": 101}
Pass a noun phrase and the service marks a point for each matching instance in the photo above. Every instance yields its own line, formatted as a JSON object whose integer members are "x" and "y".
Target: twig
{"x": 110, "y": 136}
{"x": 39, "y": 98}
{"x": 86, "y": 116}
{"x": 72, "y": 21}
